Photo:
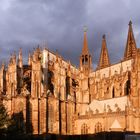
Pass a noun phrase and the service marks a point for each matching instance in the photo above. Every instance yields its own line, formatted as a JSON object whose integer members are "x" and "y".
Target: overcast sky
{"x": 59, "y": 24}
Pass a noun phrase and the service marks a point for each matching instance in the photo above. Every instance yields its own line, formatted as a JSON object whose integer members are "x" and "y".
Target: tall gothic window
{"x": 50, "y": 81}
{"x": 107, "y": 90}
{"x": 98, "y": 127}
{"x": 113, "y": 92}
{"x": 84, "y": 129}
{"x": 86, "y": 59}
{"x": 67, "y": 85}
{"x": 127, "y": 87}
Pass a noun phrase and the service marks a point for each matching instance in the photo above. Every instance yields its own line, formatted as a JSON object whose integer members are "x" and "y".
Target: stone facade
{"x": 56, "y": 97}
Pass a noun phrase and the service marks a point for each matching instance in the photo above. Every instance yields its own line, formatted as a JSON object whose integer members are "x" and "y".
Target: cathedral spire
{"x": 85, "y": 43}
{"x": 130, "y": 50}
{"x": 85, "y": 58}
{"x": 104, "y": 57}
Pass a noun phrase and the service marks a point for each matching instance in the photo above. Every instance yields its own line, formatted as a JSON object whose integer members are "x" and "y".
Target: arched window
{"x": 84, "y": 129}
{"x": 50, "y": 81}
{"x": 107, "y": 89}
{"x": 67, "y": 85}
{"x": 86, "y": 59}
{"x": 127, "y": 87}
{"x": 51, "y": 88}
{"x": 98, "y": 127}
{"x": 113, "y": 92}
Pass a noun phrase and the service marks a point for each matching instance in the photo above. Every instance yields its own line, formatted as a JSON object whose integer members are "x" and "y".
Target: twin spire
{"x": 104, "y": 61}
{"x": 85, "y": 58}
{"x": 85, "y": 44}
{"x": 104, "y": 57}
{"x": 130, "y": 50}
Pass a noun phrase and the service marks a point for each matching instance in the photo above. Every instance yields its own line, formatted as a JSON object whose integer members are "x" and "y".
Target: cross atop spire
{"x": 104, "y": 57}
{"x": 130, "y": 50}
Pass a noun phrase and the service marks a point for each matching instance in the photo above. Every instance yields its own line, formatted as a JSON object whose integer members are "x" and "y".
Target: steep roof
{"x": 104, "y": 60}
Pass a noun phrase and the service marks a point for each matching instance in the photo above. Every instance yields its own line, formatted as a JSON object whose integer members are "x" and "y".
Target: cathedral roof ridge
{"x": 56, "y": 53}
{"x": 119, "y": 62}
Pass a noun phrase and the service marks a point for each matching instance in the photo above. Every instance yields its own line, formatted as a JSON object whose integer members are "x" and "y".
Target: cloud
{"x": 27, "y": 23}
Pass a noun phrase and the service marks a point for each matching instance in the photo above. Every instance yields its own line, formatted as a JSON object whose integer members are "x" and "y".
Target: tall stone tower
{"x": 85, "y": 58}
{"x": 85, "y": 69}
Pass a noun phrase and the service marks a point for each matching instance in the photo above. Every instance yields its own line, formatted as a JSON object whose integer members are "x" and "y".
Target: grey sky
{"x": 59, "y": 24}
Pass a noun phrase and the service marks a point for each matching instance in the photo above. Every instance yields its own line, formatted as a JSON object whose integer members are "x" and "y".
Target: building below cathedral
{"x": 56, "y": 97}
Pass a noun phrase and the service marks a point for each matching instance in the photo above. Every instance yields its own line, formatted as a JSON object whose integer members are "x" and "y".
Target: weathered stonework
{"x": 56, "y": 97}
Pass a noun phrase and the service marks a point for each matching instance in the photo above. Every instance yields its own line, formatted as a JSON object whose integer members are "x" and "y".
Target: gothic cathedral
{"x": 56, "y": 97}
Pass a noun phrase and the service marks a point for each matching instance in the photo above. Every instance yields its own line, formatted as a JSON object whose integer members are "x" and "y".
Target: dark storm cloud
{"x": 59, "y": 24}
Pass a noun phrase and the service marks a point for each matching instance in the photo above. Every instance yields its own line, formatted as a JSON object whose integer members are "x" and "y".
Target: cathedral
{"x": 56, "y": 97}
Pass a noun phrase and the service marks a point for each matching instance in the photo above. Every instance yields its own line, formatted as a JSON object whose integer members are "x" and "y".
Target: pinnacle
{"x": 130, "y": 50}
{"x": 104, "y": 57}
